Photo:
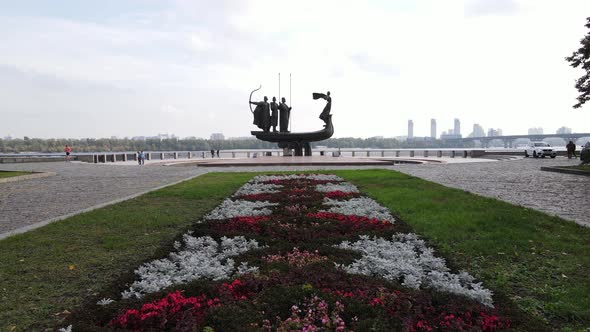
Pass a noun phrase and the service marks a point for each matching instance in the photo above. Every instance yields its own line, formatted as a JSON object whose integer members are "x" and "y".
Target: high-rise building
{"x": 457, "y": 130}
{"x": 478, "y": 131}
{"x": 564, "y": 130}
{"x": 536, "y": 131}
{"x": 433, "y": 128}
{"x": 494, "y": 132}
{"x": 410, "y": 129}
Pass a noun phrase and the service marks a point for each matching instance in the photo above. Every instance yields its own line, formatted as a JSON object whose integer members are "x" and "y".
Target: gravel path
{"x": 75, "y": 187}
{"x": 80, "y": 186}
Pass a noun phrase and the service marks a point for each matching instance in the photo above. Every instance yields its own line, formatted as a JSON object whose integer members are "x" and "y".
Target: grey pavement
{"x": 78, "y": 186}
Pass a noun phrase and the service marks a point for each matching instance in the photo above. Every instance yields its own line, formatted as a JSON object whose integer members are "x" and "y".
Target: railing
{"x": 382, "y": 153}
{"x": 112, "y": 157}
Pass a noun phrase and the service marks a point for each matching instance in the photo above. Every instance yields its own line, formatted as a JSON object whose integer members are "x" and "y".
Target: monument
{"x": 288, "y": 141}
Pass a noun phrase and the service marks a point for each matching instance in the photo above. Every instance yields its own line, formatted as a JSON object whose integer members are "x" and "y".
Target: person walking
{"x": 571, "y": 150}
{"x": 142, "y": 157}
{"x": 138, "y": 158}
{"x": 68, "y": 150}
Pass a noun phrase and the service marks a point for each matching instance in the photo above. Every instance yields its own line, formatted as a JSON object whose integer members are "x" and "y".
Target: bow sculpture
{"x": 250, "y": 100}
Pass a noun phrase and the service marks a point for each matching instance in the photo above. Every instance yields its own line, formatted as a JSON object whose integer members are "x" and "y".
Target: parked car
{"x": 539, "y": 149}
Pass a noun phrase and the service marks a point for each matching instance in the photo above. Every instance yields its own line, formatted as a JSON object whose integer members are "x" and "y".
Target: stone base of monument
{"x": 300, "y": 161}
{"x": 287, "y": 152}
{"x": 299, "y": 143}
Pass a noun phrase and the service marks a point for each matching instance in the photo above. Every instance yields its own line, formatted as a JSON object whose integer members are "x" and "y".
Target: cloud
{"x": 171, "y": 109}
{"x": 475, "y": 8}
{"x": 370, "y": 64}
{"x": 187, "y": 67}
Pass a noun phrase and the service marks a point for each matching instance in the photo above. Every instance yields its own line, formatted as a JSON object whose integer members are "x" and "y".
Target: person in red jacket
{"x": 68, "y": 150}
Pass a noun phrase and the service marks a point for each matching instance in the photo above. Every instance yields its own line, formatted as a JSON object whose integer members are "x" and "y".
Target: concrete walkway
{"x": 79, "y": 186}
{"x": 76, "y": 187}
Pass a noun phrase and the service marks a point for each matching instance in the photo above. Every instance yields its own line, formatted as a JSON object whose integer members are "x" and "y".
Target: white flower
{"x": 317, "y": 177}
{"x": 245, "y": 269}
{"x": 361, "y": 206}
{"x": 266, "y": 178}
{"x": 105, "y": 301}
{"x": 201, "y": 257}
{"x": 324, "y": 177}
{"x": 240, "y": 208}
{"x": 258, "y": 188}
{"x": 344, "y": 187}
{"x": 65, "y": 329}
{"x": 407, "y": 259}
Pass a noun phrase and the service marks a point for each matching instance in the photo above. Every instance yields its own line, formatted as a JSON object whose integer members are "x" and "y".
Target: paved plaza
{"x": 75, "y": 187}
{"x": 79, "y": 186}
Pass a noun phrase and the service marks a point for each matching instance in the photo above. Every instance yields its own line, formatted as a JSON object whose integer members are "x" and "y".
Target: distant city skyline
{"x": 477, "y": 131}
{"x": 536, "y": 131}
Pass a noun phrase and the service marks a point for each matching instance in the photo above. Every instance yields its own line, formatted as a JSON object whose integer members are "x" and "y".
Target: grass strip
{"x": 8, "y": 174}
{"x": 538, "y": 261}
{"x": 48, "y": 272}
{"x": 579, "y": 167}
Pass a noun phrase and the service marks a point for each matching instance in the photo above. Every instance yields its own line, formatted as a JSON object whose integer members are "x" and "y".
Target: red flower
{"x": 242, "y": 224}
{"x": 376, "y": 302}
{"x": 235, "y": 290}
{"x": 423, "y": 325}
{"x": 355, "y": 222}
{"x": 165, "y": 312}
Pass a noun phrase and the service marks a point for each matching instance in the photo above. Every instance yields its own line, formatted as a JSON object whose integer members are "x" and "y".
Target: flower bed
{"x": 200, "y": 258}
{"x": 299, "y": 253}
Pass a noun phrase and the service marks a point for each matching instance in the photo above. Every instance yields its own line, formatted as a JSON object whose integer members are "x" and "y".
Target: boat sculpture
{"x": 298, "y": 142}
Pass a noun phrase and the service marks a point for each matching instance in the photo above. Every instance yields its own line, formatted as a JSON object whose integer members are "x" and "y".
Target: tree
{"x": 581, "y": 57}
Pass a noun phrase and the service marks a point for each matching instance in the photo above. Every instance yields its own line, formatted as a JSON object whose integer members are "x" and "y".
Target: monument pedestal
{"x": 296, "y": 142}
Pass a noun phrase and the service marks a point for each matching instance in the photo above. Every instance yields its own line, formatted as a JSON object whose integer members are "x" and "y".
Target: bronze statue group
{"x": 266, "y": 115}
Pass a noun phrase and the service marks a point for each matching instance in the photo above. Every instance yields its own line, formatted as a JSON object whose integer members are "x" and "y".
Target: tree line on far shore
{"x": 27, "y": 144}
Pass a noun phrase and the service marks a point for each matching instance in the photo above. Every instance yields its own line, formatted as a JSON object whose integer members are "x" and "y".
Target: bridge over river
{"x": 509, "y": 139}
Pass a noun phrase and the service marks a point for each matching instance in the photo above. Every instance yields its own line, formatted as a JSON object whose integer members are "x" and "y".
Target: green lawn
{"x": 8, "y": 174}
{"x": 532, "y": 260}
{"x": 48, "y": 272}
{"x": 582, "y": 168}
{"x": 539, "y": 262}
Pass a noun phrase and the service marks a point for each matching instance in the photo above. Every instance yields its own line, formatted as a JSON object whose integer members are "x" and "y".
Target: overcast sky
{"x": 73, "y": 68}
